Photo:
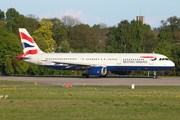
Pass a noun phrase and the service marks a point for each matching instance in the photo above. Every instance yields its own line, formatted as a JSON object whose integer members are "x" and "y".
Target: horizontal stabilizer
{"x": 19, "y": 57}
{"x": 22, "y": 57}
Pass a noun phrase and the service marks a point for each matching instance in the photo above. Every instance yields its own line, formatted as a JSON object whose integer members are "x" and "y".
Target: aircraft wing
{"x": 70, "y": 63}
{"x": 82, "y": 65}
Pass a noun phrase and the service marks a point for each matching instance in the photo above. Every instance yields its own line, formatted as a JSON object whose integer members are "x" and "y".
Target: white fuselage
{"x": 113, "y": 61}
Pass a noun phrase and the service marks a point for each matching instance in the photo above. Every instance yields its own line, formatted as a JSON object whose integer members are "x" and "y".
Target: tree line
{"x": 69, "y": 34}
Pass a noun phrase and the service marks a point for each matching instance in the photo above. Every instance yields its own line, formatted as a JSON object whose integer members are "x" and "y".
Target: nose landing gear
{"x": 155, "y": 76}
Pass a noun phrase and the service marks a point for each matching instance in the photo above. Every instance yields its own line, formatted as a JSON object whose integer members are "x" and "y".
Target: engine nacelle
{"x": 121, "y": 72}
{"x": 96, "y": 71}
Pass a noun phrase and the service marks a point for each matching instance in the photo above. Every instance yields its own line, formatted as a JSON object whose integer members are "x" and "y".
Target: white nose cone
{"x": 172, "y": 64}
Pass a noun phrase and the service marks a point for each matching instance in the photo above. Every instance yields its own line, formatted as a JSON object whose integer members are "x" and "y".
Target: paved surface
{"x": 98, "y": 81}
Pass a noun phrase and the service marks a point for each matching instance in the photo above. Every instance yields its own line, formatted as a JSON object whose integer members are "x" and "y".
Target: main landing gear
{"x": 102, "y": 76}
{"x": 155, "y": 76}
{"x": 85, "y": 75}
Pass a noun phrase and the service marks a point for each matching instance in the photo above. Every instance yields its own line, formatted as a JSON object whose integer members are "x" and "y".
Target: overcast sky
{"x": 91, "y": 12}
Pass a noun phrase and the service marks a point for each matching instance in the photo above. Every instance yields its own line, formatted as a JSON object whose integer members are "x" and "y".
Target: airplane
{"x": 92, "y": 63}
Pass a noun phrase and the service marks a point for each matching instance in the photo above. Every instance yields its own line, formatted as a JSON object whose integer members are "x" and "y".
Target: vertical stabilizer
{"x": 29, "y": 45}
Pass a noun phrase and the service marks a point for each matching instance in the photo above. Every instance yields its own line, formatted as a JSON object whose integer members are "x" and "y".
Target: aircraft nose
{"x": 172, "y": 64}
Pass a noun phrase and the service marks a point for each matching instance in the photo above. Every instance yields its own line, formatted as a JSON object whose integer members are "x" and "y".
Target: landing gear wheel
{"x": 102, "y": 76}
{"x": 85, "y": 75}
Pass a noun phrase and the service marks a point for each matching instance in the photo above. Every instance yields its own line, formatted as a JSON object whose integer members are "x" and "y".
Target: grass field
{"x": 32, "y": 102}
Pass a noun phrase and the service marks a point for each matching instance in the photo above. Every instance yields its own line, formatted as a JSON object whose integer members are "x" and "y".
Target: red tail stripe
{"x": 31, "y": 52}
{"x": 21, "y": 56}
{"x": 24, "y": 36}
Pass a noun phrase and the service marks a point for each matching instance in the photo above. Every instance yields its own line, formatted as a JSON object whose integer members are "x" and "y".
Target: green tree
{"x": 20, "y": 67}
{"x": 43, "y": 35}
{"x": 64, "y": 46}
{"x": 83, "y": 38}
{"x": 8, "y": 67}
{"x": 11, "y": 15}
{"x": 60, "y": 35}
{"x": 150, "y": 40}
{"x": 101, "y": 32}
{"x": 33, "y": 69}
{"x": 2, "y": 26}
{"x": 127, "y": 37}
{"x": 112, "y": 44}
{"x": 31, "y": 24}
{"x": 169, "y": 34}
{"x": 176, "y": 58}
{"x": 2, "y": 15}
{"x": 10, "y": 46}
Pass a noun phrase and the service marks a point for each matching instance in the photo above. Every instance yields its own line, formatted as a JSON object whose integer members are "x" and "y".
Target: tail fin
{"x": 29, "y": 45}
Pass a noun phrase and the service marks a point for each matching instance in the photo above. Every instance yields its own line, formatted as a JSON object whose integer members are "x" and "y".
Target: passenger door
{"x": 80, "y": 59}
{"x": 119, "y": 60}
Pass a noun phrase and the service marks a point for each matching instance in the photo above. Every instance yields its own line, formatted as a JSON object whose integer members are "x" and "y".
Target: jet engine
{"x": 96, "y": 71}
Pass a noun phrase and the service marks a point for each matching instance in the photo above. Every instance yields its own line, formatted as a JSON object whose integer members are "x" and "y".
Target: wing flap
{"x": 77, "y": 64}
{"x": 69, "y": 63}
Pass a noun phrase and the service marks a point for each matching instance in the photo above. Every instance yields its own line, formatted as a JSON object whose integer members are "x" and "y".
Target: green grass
{"x": 5, "y": 82}
{"x": 90, "y": 102}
